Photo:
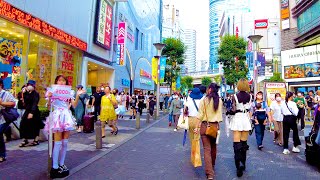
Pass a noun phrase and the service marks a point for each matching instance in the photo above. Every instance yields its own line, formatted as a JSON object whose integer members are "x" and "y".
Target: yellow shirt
{"x": 206, "y": 105}
{"x": 107, "y": 111}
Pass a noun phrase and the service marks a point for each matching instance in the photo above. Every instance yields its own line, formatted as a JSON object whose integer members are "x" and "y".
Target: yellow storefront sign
{"x": 155, "y": 70}
{"x": 272, "y": 89}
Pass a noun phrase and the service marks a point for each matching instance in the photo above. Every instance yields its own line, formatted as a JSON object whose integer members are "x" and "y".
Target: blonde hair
{"x": 243, "y": 85}
{"x": 318, "y": 92}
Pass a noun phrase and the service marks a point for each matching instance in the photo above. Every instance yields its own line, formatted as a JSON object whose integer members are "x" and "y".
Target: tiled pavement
{"x": 31, "y": 162}
{"x": 157, "y": 153}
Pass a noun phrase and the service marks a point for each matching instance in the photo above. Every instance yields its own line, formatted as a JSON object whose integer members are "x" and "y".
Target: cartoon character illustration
{"x": 10, "y": 52}
{"x": 29, "y": 74}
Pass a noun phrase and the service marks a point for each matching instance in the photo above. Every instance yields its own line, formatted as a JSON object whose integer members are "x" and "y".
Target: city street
{"x": 157, "y": 153}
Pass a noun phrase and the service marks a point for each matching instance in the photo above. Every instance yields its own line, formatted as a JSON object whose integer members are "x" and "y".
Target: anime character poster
{"x": 294, "y": 71}
{"x": 312, "y": 70}
{"x": 10, "y": 61}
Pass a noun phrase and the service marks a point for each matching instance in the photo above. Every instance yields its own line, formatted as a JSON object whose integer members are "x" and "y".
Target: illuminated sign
{"x": 143, "y": 73}
{"x": 145, "y": 81}
{"x": 284, "y": 3}
{"x": 261, "y": 23}
{"x": 14, "y": 14}
{"x": 121, "y": 43}
{"x": 103, "y": 28}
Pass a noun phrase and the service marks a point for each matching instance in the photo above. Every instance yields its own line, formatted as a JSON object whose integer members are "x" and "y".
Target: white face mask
{"x": 102, "y": 89}
{"x": 30, "y": 88}
{"x": 278, "y": 99}
{"x": 299, "y": 94}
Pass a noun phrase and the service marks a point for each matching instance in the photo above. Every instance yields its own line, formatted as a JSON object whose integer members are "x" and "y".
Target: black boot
{"x": 237, "y": 147}
{"x": 245, "y": 148}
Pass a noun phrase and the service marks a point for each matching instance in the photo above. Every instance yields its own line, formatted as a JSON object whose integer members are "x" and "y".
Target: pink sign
{"x": 121, "y": 32}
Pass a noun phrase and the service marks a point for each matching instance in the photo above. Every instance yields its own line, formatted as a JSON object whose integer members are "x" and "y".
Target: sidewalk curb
{"x": 98, "y": 156}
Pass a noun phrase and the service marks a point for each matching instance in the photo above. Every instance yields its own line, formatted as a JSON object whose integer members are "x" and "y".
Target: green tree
{"x": 230, "y": 49}
{"x": 186, "y": 82}
{"x": 174, "y": 50}
{"x": 206, "y": 81}
{"x": 217, "y": 79}
{"x": 276, "y": 77}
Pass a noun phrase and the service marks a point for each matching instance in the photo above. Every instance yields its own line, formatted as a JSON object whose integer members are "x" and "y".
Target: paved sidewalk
{"x": 31, "y": 162}
{"x": 157, "y": 153}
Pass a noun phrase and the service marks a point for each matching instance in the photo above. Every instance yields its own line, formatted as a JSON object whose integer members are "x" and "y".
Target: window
{"x": 137, "y": 39}
{"x": 142, "y": 42}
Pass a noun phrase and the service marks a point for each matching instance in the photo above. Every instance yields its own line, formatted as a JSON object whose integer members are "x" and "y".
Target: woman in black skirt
{"x": 30, "y": 123}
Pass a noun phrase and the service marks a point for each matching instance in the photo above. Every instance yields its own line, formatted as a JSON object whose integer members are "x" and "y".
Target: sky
{"x": 196, "y": 16}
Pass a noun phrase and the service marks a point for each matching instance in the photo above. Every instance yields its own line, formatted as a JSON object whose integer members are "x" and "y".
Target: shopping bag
{"x": 183, "y": 122}
{"x": 195, "y": 153}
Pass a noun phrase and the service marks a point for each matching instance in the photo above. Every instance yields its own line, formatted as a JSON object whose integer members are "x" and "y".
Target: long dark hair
{"x": 289, "y": 95}
{"x": 58, "y": 77}
{"x": 213, "y": 94}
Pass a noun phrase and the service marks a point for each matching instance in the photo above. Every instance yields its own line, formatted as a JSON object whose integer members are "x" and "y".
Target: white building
{"x": 171, "y": 25}
{"x": 190, "y": 40}
{"x": 202, "y": 65}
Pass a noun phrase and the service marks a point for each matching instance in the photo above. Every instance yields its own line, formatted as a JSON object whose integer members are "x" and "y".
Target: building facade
{"x": 171, "y": 25}
{"x": 301, "y": 63}
{"x": 48, "y": 38}
{"x": 190, "y": 41}
{"x": 142, "y": 29}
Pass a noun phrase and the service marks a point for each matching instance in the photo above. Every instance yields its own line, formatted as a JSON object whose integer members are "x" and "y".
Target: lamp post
{"x": 159, "y": 47}
{"x": 255, "y": 39}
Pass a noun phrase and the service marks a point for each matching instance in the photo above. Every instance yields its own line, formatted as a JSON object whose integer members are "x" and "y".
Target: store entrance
{"x": 98, "y": 75}
{"x": 306, "y": 89}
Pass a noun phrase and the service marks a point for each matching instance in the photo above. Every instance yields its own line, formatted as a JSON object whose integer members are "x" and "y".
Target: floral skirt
{"x": 60, "y": 120}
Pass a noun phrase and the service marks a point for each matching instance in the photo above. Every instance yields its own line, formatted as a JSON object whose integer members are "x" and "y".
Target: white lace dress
{"x": 241, "y": 120}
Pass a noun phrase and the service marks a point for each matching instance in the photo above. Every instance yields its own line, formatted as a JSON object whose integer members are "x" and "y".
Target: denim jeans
{"x": 259, "y": 131}
{"x": 3, "y": 128}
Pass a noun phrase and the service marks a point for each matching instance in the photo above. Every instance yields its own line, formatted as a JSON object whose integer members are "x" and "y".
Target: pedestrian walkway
{"x": 31, "y": 162}
{"x": 157, "y": 153}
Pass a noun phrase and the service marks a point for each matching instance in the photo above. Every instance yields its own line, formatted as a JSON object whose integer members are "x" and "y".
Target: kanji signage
{"x": 103, "y": 28}
{"x": 14, "y": 14}
{"x": 122, "y": 35}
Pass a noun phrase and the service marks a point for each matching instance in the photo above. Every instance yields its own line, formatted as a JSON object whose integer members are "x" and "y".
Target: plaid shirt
{"x": 6, "y": 97}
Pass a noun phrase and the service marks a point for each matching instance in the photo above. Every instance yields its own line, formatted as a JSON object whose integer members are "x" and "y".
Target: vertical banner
{"x": 173, "y": 86}
{"x": 261, "y": 66}
{"x": 155, "y": 70}
{"x": 178, "y": 82}
{"x": 163, "y": 62}
{"x": 273, "y": 88}
{"x": 122, "y": 34}
{"x": 249, "y": 62}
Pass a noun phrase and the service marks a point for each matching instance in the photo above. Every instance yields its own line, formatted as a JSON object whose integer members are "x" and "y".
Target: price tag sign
{"x": 61, "y": 92}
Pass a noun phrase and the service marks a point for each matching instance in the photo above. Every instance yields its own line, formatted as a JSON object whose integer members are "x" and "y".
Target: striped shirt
{"x": 6, "y": 97}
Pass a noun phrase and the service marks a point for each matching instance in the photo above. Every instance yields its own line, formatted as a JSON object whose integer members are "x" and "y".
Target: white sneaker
{"x": 175, "y": 129}
{"x": 286, "y": 151}
{"x": 295, "y": 150}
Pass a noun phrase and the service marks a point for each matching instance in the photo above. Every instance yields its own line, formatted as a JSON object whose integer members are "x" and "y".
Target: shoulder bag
{"x": 211, "y": 130}
{"x": 9, "y": 114}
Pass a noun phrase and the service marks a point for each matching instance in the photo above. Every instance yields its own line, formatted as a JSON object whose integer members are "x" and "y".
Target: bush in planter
{"x": 44, "y": 112}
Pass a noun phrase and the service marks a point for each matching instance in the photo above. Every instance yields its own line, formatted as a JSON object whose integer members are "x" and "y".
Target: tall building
{"x": 190, "y": 40}
{"x": 171, "y": 25}
{"x": 300, "y": 37}
{"x": 202, "y": 65}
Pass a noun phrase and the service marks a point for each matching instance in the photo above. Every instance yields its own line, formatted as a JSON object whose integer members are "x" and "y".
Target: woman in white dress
{"x": 241, "y": 125}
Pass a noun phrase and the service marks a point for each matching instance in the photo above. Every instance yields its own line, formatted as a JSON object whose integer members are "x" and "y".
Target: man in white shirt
{"x": 290, "y": 111}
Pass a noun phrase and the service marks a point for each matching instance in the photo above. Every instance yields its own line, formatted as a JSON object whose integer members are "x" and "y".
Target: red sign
{"x": 103, "y": 28}
{"x": 14, "y": 14}
{"x": 121, "y": 33}
{"x": 261, "y": 23}
{"x": 144, "y": 73}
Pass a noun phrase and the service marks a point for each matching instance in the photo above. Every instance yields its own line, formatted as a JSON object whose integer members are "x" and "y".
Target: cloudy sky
{"x": 195, "y": 15}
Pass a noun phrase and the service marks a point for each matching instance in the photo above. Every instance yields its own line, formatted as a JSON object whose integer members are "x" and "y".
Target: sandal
{"x": 116, "y": 132}
{"x": 35, "y": 143}
{"x": 24, "y": 143}
{"x": 2, "y": 159}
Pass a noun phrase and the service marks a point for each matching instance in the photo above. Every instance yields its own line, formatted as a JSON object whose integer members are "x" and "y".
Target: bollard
{"x": 148, "y": 117}
{"x": 98, "y": 135}
{"x": 154, "y": 115}
{"x": 138, "y": 121}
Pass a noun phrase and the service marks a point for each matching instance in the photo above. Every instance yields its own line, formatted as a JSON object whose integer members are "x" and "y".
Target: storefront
{"x": 301, "y": 68}
{"x": 32, "y": 49}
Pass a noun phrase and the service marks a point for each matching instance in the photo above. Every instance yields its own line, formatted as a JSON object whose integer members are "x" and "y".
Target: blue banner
{"x": 178, "y": 83}
{"x": 163, "y": 62}
{"x": 261, "y": 64}
{"x": 249, "y": 61}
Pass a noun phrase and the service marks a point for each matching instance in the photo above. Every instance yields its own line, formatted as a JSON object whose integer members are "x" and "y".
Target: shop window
{"x": 42, "y": 53}
{"x": 68, "y": 63}
{"x": 13, "y": 48}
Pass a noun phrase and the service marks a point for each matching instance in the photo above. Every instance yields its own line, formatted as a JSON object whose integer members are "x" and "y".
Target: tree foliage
{"x": 186, "y": 82}
{"x": 217, "y": 79}
{"x": 276, "y": 77}
{"x": 232, "y": 47}
{"x": 174, "y": 50}
{"x": 206, "y": 81}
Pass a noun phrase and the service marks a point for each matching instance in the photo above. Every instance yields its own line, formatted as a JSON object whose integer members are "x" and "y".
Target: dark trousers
{"x": 140, "y": 108}
{"x": 300, "y": 116}
{"x": 96, "y": 112}
{"x": 3, "y": 128}
{"x": 289, "y": 122}
{"x": 161, "y": 105}
{"x": 209, "y": 148}
{"x": 259, "y": 131}
{"x": 151, "y": 112}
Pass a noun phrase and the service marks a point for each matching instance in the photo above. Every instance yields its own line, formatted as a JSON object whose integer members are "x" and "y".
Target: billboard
{"x": 261, "y": 23}
{"x": 273, "y": 88}
{"x": 294, "y": 71}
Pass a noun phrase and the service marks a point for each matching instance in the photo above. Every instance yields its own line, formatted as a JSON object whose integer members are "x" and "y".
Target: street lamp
{"x": 255, "y": 39}
{"x": 159, "y": 47}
